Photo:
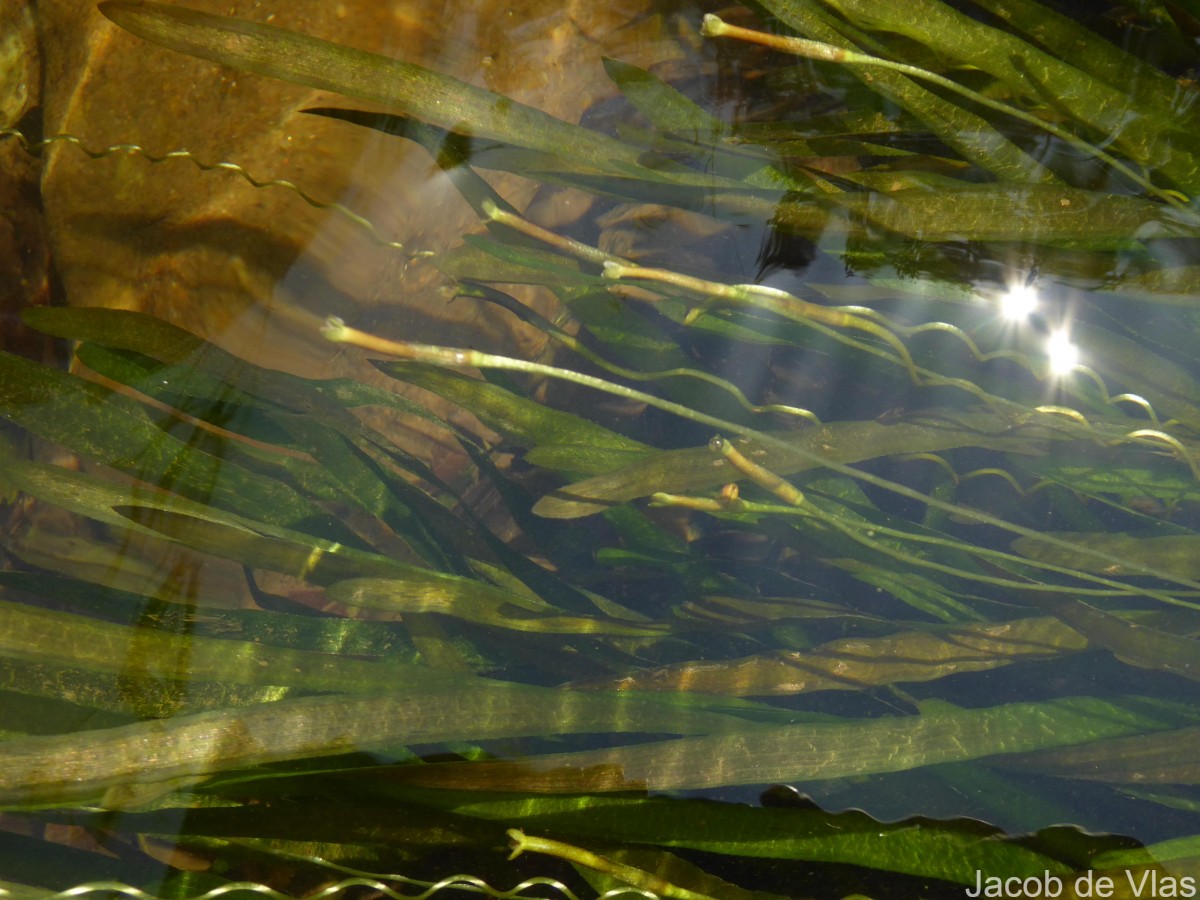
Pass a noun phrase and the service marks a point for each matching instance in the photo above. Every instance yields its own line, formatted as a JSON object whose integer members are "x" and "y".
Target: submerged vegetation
{"x": 862, "y": 583}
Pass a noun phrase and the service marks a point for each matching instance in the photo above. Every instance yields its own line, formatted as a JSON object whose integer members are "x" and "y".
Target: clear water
{"x": 318, "y": 580}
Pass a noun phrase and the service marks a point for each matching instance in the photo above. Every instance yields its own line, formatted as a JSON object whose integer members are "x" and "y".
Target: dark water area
{"x": 597, "y": 450}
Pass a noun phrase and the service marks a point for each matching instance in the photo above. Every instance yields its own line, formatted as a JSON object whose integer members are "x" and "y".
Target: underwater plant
{"x": 850, "y": 526}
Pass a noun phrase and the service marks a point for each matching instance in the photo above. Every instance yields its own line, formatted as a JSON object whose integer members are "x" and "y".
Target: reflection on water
{"x": 836, "y": 446}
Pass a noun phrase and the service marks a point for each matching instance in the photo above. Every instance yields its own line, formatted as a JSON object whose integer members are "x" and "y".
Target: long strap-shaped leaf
{"x": 411, "y": 89}
{"x": 810, "y": 752}
{"x": 855, "y": 663}
{"x": 695, "y": 468}
{"x": 72, "y": 767}
{"x": 1148, "y": 137}
{"x": 953, "y": 849}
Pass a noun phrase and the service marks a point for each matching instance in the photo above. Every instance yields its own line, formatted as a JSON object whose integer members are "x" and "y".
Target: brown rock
{"x": 256, "y": 270}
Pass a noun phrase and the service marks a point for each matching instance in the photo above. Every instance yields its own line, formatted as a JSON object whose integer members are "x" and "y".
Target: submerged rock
{"x": 256, "y": 270}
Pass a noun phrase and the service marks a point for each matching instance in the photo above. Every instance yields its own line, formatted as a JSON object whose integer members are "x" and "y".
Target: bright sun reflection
{"x": 1018, "y": 303}
{"x": 1063, "y": 355}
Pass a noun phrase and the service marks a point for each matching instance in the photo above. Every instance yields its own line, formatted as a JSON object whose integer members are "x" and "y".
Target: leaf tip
{"x": 119, "y": 10}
